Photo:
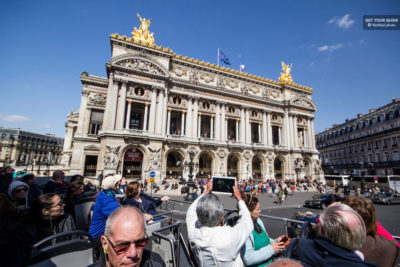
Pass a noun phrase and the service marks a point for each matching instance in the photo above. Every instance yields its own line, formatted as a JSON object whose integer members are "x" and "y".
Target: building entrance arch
{"x": 278, "y": 169}
{"x": 133, "y": 159}
{"x": 174, "y": 165}
{"x": 256, "y": 166}
{"x": 205, "y": 165}
{"x": 233, "y": 166}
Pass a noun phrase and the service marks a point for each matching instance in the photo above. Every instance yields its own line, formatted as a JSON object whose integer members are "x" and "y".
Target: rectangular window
{"x": 396, "y": 155}
{"x": 96, "y": 121}
{"x": 378, "y": 157}
{"x": 275, "y": 135}
{"x": 394, "y": 141}
{"x": 387, "y": 156}
{"x": 90, "y": 165}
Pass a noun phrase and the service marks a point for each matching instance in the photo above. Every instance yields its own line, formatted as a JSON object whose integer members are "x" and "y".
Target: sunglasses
{"x": 21, "y": 190}
{"x": 59, "y": 204}
{"x": 123, "y": 247}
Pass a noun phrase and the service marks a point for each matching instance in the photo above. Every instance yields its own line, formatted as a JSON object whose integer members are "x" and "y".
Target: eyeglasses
{"x": 59, "y": 204}
{"x": 21, "y": 190}
{"x": 123, "y": 247}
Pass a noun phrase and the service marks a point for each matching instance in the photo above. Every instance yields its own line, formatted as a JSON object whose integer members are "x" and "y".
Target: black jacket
{"x": 318, "y": 251}
{"x": 149, "y": 259}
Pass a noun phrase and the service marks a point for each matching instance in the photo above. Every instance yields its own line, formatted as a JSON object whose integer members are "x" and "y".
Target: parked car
{"x": 322, "y": 200}
{"x": 386, "y": 198}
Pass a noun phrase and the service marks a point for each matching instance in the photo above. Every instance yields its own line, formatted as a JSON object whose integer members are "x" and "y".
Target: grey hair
{"x": 115, "y": 213}
{"x": 337, "y": 228}
{"x": 209, "y": 210}
{"x": 285, "y": 262}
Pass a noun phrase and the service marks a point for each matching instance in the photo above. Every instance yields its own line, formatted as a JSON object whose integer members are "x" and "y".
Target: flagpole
{"x": 218, "y": 58}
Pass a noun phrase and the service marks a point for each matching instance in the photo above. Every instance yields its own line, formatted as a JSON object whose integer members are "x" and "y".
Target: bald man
{"x": 334, "y": 241}
{"x": 124, "y": 241}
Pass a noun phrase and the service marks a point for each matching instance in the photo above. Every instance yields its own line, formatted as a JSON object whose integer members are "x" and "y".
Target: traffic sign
{"x": 152, "y": 174}
{"x": 152, "y": 180}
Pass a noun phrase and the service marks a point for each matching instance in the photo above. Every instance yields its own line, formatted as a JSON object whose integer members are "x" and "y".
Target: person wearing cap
{"x": 57, "y": 184}
{"x": 18, "y": 193}
{"x": 106, "y": 203}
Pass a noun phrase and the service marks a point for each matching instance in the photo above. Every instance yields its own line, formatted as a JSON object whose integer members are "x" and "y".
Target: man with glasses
{"x": 124, "y": 241}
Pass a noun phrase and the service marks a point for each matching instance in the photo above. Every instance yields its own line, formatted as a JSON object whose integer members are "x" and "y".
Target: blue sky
{"x": 45, "y": 45}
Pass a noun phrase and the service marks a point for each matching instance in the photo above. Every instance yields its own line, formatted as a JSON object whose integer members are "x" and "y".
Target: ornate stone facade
{"x": 155, "y": 105}
{"x": 367, "y": 143}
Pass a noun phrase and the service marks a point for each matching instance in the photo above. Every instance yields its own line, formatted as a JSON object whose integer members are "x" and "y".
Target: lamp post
{"x": 362, "y": 177}
{"x": 191, "y": 166}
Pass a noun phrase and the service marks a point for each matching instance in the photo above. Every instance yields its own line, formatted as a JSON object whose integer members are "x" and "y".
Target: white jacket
{"x": 219, "y": 245}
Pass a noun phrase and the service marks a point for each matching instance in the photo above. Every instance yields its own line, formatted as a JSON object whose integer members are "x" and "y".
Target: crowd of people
{"x": 346, "y": 233}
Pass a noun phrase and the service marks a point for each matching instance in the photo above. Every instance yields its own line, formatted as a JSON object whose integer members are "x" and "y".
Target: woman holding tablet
{"x": 259, "y": 247}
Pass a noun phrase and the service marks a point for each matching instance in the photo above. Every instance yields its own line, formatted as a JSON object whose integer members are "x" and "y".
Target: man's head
{"x": 58, "y": 176}
{"x": 209, "y": 210}
{"x": 29, "y": 179}
{"x": 124, "y": 237}
{"x": 343, "y": 226}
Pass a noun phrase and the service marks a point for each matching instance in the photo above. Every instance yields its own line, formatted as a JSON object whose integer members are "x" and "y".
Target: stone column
{"x": 108, "y": 111}
{"x": 87, "y": 113}
{"x": 146, "y": 113}
{"x": 248, "y": 131}
{"x": 189, "y": 119}
{"x": 269, "y": 129}
{"x": 242, "y": 126}
{"x": 159, "y": 118}
{"x": 259, "y": 132}
{"x": 237, "y": 130}
{"x": 121, "y": 106}
{"x": 152, "y": 110}
{"x": 280, "y": 135}
{"x": 226, "y": 129}
{"x": 82, "y": 113}
{"x": 264, "y": 129}
{"x": 212, "y": 127}
{"x": 312, "y": 134}
{"x": 305, "y": 136}
{"x": 169, "y": 122}
{"x": 217, "y": 123}
{"x": 195, "y": 118}
{"x": 223, "y": 123}
{"x": 286, "y": 129}
{"x": 128, "y": 114}
{"x": 164, "y": 112}
{"x": 296, "y": 140}
{"x": 114, "y": 106}
{"x": 199, "y": 126}
{"x": 183, "y": 123}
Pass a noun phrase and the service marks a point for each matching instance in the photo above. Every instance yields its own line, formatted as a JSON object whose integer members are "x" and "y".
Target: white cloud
{"x": 342, "y": 22}
{"x": 13, "y": 118}
{"x": 329, "y": 48}
{"x": 47, "y": 126}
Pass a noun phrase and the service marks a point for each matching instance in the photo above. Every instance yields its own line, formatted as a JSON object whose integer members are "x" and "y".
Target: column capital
{"x": 212, "y": 115}
{"x": 259, "y": 123}
{"x": 199, "y": 114}
{"x": 237, "y": 120}
{"x": 129, "y": 101}
{"x": 169, "y": 109}
{"x": 146, "y": 104}
{"x": 226, "y": 118}
{"x": 183, "y": 111}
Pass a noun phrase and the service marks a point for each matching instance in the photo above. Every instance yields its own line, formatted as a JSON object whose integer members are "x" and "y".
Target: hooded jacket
{"x": 11, "y": 188}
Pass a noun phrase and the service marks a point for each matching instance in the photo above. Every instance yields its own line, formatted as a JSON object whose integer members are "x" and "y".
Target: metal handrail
{"x": 170, "y": 240}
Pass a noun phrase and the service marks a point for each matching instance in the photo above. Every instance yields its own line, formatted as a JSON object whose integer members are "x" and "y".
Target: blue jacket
{"x": 105, "y": 205}
{"x": 253, "y": 257}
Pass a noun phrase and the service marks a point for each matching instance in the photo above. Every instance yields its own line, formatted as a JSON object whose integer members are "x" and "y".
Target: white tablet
{"x": 223, "y": 185}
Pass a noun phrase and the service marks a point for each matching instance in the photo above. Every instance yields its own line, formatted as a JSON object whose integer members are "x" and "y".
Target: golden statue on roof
{"x": 143, "y": 32}
{"x": 285, "y": 75}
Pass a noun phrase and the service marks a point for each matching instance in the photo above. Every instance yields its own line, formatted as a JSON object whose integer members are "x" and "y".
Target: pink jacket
{"x": 382, "y": 231}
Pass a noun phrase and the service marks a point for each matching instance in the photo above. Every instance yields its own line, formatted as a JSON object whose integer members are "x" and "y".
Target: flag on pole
{"x": 223, "y": 58}
{"x": 241, "y": 66}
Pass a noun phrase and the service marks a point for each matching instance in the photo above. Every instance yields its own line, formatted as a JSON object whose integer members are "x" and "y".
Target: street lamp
{"x": 362, "y": 177}
{"x": 191, "y": 165}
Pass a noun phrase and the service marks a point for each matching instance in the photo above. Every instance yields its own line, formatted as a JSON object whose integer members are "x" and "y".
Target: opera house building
{"x": 155, "y": 106}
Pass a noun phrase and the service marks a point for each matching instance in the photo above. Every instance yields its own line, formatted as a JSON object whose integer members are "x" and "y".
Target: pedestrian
{"x": 280, "y": 196}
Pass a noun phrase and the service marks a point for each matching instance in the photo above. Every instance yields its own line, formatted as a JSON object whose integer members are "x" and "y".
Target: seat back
{"x": 82, "y": 209}
{"x": 77, "y": 250}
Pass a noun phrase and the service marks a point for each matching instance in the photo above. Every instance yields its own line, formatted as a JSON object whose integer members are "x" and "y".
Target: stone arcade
{"x": 154, "y": 106}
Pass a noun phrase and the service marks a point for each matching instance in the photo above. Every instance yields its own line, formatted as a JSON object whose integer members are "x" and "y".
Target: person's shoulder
{"x": 152, "y": 259}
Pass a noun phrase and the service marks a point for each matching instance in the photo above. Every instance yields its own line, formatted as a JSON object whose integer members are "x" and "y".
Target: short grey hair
{"x": 209, "y": 210}
{"x": 343, "y": 226}
{"x": 115, "y": 213}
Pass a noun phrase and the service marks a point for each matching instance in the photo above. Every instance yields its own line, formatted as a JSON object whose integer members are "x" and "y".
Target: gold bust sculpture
{"x": 143, "y": 32}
